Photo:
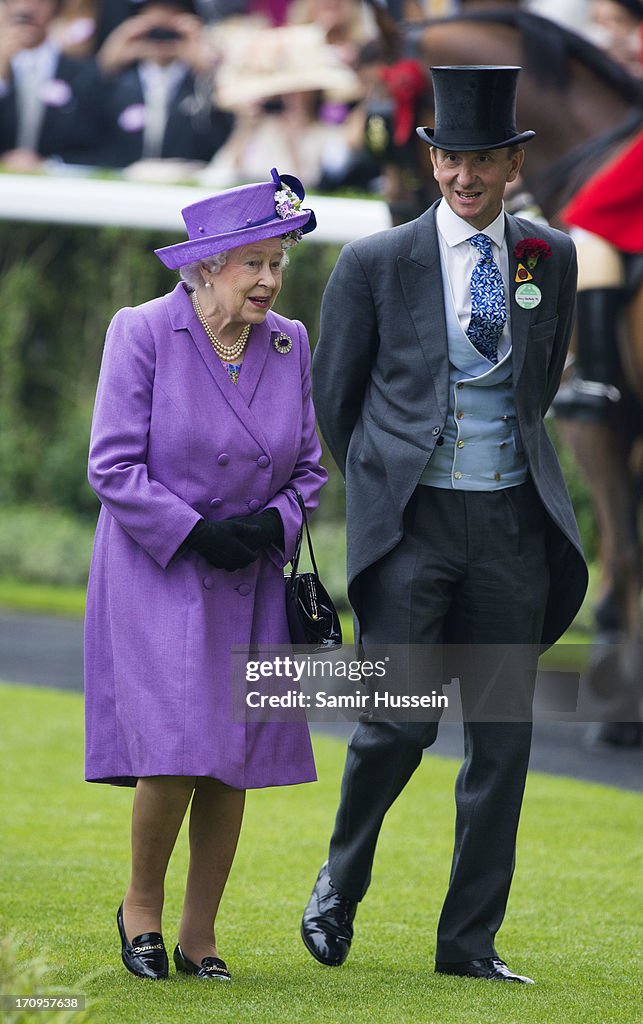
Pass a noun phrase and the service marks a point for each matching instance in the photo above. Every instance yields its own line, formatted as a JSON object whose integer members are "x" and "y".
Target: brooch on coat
{"x": 530, "y": 250}
{"x": 282, "y": 342}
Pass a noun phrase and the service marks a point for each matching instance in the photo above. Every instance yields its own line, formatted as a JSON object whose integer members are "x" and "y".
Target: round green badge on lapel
{"x": 528, "y": 295}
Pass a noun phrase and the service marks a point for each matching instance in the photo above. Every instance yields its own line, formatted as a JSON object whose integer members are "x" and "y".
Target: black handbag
{"x": 312, "y": 616}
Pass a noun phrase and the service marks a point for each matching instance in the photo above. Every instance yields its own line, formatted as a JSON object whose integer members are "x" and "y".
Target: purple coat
{"x": 173, "y": 440}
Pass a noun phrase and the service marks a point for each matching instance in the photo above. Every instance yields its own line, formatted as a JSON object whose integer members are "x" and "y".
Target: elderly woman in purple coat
{"x": 203, "y": 433}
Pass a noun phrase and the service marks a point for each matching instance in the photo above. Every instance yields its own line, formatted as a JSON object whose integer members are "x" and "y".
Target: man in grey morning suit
{"x": 442, "y": 344}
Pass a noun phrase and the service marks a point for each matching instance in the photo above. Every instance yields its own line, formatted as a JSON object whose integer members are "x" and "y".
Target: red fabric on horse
{"x": 406, "y": 82}
{"x": 611, "y": 202}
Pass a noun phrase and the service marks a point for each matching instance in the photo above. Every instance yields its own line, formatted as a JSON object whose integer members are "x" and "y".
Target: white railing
{"x": 94, "y": 201}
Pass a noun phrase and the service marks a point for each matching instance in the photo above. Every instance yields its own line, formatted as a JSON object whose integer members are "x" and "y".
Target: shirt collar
{"x": 44, "y": 55}
{"x": 454, "y": 229}
{"x": 169, "y": 75}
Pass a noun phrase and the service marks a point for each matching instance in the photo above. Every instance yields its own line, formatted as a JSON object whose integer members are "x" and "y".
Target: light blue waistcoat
{"x": 482, "y": 450}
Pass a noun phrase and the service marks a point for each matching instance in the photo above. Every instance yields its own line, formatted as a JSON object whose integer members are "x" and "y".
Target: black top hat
{"x": 475, "y": 108}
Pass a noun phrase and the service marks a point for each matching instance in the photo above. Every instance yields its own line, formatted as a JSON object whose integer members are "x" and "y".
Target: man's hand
{"x": 193, "y": 48}
{"x": 12, "y": 41}
{"x": 22, "y": 161}
{"x": 127, "y": 44}
{"x": 131, "y": 43}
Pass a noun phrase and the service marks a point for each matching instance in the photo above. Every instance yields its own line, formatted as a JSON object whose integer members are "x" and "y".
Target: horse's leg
{"x": 602, "y": 450}
{"x": 596, "y": 382}
{"x": 633, "y": 349}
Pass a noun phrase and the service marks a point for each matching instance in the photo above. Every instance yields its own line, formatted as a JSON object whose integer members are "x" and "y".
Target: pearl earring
{"x": 208, "y": 284}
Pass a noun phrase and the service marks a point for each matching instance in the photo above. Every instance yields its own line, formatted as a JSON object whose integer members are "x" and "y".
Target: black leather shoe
{"x": 490, "y": 968}
{"x": 327, "y": 924}
{"x": 145, "y": 956}
{"x": 212, "y": 967}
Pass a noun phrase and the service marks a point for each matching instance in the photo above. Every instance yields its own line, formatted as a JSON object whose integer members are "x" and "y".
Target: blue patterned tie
{"x": 488, "y": 308}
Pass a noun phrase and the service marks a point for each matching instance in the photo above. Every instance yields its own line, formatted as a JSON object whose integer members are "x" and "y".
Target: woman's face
{"x": 247, "y": 285}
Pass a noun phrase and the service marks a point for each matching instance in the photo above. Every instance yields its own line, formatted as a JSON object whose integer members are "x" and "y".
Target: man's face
{"x": 33, "y": 17}
{"x": 473, "y": 184}
{"x": 617, "y": 21}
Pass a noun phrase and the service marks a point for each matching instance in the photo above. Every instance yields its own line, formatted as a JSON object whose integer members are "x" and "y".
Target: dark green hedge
{"x": 59, "y": 288}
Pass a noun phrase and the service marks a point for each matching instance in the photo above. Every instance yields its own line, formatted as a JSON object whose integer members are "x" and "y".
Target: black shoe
{"x": 490, "y": 968}
{"x": 327, "y": 924}
{"x": 212, "y": 967}
{"x": 145, "y": 956}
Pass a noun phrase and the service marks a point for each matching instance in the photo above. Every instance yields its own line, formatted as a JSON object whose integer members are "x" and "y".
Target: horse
{"x": 584, "y": 108}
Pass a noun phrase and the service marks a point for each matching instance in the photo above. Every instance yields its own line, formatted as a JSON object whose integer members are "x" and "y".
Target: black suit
{"x": 195, "y": 129}
{"x": 71, "y": 131}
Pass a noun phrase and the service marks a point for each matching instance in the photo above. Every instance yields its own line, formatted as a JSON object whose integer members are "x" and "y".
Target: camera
{"x": 163, "y": 35}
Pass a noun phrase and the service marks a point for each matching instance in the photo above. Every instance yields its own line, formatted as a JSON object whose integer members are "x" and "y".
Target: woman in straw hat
{"x": 203, "y": 434}
{"x": 289, "y": 92}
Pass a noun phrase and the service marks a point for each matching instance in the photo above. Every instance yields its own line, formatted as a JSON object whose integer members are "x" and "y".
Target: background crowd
{"x": 218, "y": 90}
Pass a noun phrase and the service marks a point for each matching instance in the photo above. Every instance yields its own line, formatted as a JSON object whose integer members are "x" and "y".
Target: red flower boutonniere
{"x": 530, "y": 250}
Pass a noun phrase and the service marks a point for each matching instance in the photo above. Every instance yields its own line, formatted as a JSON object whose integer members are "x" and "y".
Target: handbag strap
{"x": 304, "y": 526}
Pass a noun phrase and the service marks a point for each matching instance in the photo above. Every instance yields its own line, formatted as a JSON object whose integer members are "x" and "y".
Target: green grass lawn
{"x": 18, "y": 595}
{"x": 572, "y": 923}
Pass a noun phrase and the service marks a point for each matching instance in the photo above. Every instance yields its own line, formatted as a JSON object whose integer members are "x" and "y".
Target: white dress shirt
{"x": 159, "y": 84}
{"x": 32, "y": 69}
{"x": 459, "y": 258}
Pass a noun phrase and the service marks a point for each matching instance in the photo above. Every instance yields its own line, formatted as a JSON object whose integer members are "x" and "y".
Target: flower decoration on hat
{"x": 288, "y": 198}
{"x": 531, "y": 250}
{"x": 241, "y": 216}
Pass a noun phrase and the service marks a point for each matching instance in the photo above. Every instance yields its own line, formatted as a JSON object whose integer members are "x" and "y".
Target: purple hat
{"x": 239, "y": 216}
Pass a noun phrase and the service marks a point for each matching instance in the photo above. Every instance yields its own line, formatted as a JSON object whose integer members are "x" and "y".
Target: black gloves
{"x": 235, "y": 543}
{"x": 219, "y": 545}
{"x": 261, "y": 529}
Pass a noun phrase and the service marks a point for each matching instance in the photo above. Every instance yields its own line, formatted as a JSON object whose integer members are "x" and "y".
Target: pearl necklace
{"x": 226, "y": 352}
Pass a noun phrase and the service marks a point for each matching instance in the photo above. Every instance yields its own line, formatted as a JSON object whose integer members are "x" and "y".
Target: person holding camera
{"x": 160, "y": 70}
{"x": 50, "y": 104}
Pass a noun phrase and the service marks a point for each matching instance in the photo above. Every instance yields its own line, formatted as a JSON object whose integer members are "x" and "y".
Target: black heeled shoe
{"x": 146, "y": 956}
{"x": 212, "y": 967}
